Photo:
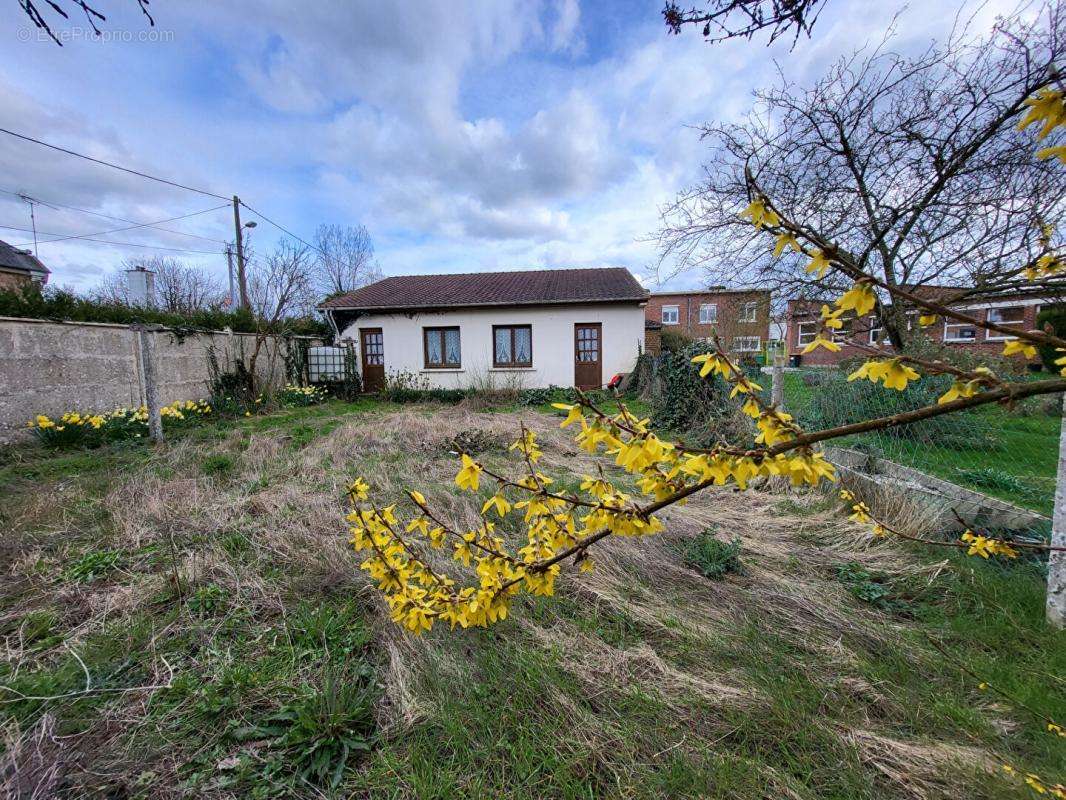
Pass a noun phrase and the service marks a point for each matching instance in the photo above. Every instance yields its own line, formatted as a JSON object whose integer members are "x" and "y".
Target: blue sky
{"x": 465, "y": 135}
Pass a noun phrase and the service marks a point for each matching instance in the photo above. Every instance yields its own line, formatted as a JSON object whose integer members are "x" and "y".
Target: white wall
{"x": 553, "y": 342}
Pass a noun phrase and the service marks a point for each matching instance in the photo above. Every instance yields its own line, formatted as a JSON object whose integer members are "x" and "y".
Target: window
{"x": 879, "y": 335}
{"x": 669, "y": 315}
{"x": 843, "y": 333}
{"x": 512, "y": 345}
{"x": 806, "y": 331}
{"x": 708, "y": 313}
{"x": 748, "y": 312}
{"x": 441, "y": 348}
{"x": 745, "y": 344}
{"x": 959, "y": 332}
{"x": 1011, "y": 316}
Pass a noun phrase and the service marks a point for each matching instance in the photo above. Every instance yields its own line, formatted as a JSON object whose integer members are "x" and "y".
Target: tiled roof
{"x": 529, "y": 287}
{"x": 12, "y": 258}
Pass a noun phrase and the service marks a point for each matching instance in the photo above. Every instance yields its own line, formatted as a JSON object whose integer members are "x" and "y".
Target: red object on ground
{"x": 616, "y": 381}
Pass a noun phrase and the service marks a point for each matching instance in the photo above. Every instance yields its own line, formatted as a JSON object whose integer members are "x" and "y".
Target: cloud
{"x": 466, "y": 134}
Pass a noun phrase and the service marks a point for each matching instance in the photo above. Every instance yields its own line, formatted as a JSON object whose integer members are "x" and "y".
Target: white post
{"x": 1056, "y": 565}
{"x": 151, "y": 390}
{"x": 777, "y": 384}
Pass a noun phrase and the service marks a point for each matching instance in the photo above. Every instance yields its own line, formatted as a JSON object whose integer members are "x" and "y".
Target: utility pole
{"x": 242, "y": 280}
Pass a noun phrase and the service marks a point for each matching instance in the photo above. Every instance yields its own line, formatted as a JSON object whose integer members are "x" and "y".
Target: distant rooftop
{"x": 24, "y": 260}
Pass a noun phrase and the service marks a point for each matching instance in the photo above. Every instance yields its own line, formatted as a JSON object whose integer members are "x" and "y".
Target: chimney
{"x": 141, "y": 286}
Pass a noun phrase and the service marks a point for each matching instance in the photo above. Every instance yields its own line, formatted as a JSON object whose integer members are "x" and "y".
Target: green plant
{"x": 1055, "y": 317}
{"x": 713, "y": 558}
{"x": 207, "y": 599}
{"x": 297, "y": 396}
{"x": 672, "y": 341}
{"x": 93, "y": 565}
{"x": 217, "y": 464}
{"x": 868, "y": 587}
{"x": 316, "y": 736}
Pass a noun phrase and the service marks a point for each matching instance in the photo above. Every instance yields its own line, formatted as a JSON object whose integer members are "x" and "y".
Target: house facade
{"x": 527, "y": 329}
{"x": 20, "y": 268}
{"x": 740, "y": 318}
{"x": 1014, "y": 311}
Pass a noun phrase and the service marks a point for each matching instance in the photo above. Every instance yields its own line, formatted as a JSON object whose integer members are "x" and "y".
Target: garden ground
{"x": 189, "y": 621}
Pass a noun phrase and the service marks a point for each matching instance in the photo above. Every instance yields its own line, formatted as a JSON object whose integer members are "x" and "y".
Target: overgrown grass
{"x": 189, "y": 621}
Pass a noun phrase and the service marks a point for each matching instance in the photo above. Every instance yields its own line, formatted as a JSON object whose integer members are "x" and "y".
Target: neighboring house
{"x": 740, "y": 317}
{"x": 1016, "y": 310}
{"x": 20, "y": 268}
{"x": 568, "y": 327}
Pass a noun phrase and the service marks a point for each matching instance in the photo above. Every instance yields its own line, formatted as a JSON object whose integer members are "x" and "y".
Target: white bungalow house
{"x": 534, "y": 328}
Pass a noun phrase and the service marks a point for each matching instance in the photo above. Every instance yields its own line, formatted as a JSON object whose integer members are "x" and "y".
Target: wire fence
{"x": 993, "y": 465}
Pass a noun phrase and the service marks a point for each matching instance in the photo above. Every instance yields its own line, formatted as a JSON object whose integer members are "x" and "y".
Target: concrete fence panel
{"x": 50, "y": 367}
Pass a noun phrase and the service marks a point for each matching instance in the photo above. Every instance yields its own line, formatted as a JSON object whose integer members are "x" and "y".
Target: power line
{"x": 108, "y": 241}
{"x": 58, "y": 206}
{"x": 65, "y": 237}
{"x": 113, "y": 166}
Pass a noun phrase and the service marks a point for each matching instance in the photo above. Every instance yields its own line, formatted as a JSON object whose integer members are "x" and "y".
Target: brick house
{"x": 20, "y": 268}
{"x": 1014, "y": 310}
{"x": 740, "y": 317}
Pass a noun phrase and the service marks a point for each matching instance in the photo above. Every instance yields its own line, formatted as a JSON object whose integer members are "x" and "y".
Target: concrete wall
{"x": 553, "y": 342}
{"x": 52, "y": 367}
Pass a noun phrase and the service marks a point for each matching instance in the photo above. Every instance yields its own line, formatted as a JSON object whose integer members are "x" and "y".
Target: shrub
{"x": 671, "y": 341}
{"x": 842, "y": 402}
{"x": 1055, "y": 316}
{"x": 60, "y": 304}
{"x": 713, "y": 558}
{"x": 685, "y": 402}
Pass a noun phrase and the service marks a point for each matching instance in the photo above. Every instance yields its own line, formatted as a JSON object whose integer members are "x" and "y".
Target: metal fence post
{"x": 1056, "y": 566}
{"x": 777, "y": 384}
{"x": 145, "y": 346}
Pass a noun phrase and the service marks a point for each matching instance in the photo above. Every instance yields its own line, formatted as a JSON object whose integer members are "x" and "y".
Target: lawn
{"x": 1014, "y": 453}
{"x": 189, "y": 621}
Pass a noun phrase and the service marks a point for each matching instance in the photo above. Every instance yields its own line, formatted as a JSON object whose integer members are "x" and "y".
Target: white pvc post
{"x": 1056, "y": 566}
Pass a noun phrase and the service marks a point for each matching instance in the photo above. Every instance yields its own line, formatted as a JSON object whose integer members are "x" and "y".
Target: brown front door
{"x": 588, "y": 350}
{"x": 373, "y": 359}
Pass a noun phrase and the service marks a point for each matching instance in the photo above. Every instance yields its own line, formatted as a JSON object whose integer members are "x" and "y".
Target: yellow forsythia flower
{"x": 760, "y": 215}
{"x": 1048, "y": 107}
{"x": 818, "y": 264}
{"x": 470, "y": 474}
{"x": 785, "y": 239}
{"x": 860, "y": 297}
{"x": 1015, "y": 346}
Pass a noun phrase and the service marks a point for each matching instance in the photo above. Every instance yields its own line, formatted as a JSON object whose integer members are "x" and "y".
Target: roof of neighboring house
{"x": 13, "y": 258}
{"x": 711, "y": 291}
{"x": 528, "y": 287}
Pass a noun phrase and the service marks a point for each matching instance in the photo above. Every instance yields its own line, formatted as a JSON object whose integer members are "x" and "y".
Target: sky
{"x": 466, "y": 135}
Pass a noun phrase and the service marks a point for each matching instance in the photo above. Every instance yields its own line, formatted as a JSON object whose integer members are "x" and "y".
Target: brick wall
{"x": 803, "y": 312}
{"x": 729, "y": 310}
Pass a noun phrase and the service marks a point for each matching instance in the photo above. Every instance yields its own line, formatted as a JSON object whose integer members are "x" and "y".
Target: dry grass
{"x": 267, "y": 532}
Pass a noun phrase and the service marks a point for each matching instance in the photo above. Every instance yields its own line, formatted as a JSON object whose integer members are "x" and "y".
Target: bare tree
{"x": 345, "y": 259}
{"x": 179, "y": 288}
{"x": 729, "y": 19}
{"x": 281, "y": 288}
{"x": 92, "y": 14}
{"x": 913, "y": 164}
